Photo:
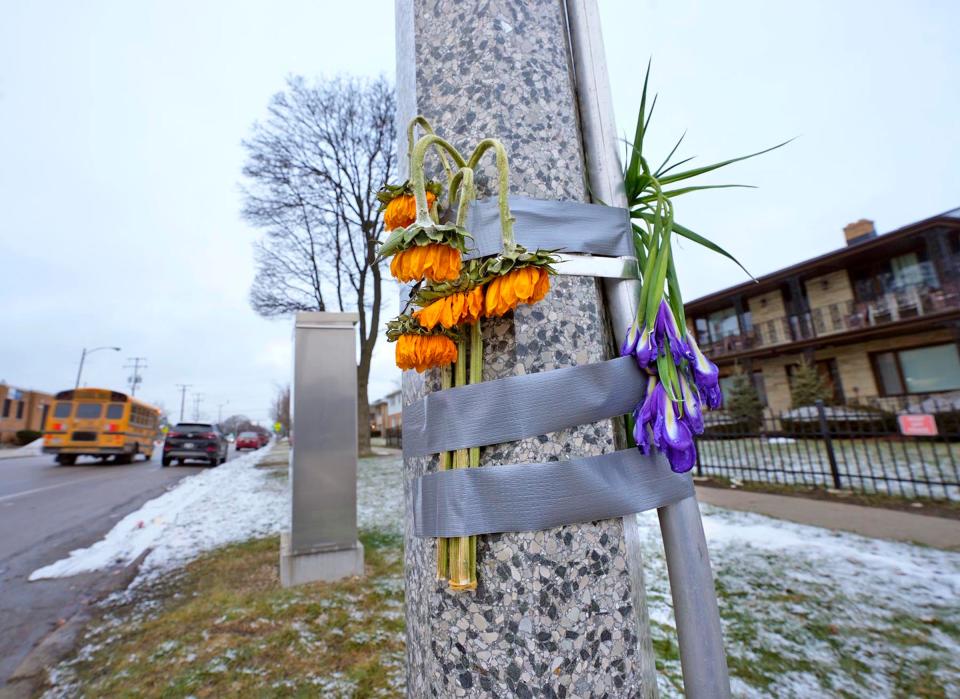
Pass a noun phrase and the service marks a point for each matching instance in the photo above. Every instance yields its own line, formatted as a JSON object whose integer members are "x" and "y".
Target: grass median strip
{"x": 223, "y": 626}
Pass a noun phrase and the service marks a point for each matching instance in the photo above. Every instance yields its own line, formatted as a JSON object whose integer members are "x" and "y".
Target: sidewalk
{"x": 875, "y": 522}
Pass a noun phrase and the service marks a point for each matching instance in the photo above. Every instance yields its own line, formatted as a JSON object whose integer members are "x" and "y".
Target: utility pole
{"x": 220, "y": 411}
{"x": 137, "y": 363}
{"x": 197, "y": 398}
{"x": 83, "y": 356}
{"x": 183, "y": 396}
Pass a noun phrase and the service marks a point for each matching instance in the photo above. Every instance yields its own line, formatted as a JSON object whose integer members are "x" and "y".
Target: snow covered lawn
{"x": 232, "y": 502}
{"x": 807, "y": 612}
{"x": 889, "y": 467}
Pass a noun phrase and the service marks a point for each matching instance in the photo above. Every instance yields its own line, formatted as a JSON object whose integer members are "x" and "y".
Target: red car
{"x": 264, "y": 439}
{"x": 248, "y": 440}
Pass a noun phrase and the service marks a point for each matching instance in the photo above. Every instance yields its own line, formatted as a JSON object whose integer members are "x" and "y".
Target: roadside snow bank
{"x": 232, "y": 502}
{"x": 34, "y": 448}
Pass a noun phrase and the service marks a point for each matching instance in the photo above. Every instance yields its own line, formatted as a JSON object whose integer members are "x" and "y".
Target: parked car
{"x": 248, "y": 440}
{"x": 195, "y": 440}
{"x": 264, "y": 438}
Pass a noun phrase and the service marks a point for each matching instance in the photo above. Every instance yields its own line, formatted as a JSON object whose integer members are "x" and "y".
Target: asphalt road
{"x": 46, "y": 511}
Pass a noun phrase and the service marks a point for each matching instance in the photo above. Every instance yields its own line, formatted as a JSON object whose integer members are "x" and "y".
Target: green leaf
{"x": 676, "y": 300}
{"x": 695, "y": 237}
{"x": 634, "y": 165}
{"x": 687, "y": 174}
{"x": 675, "y": 165}
{"x": 695, "y": 188}
{"x": 670, "y": 155}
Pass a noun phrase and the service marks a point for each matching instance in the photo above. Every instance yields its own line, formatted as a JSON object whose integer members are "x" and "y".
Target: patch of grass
{"x": 225, "y": 627}
{"x": 949, "y": 509}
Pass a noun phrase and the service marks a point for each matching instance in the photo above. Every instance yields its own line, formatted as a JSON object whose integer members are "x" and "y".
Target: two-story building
{"x": 387, "y": 413}
{"x": 21, "y": 409}
{"x": 879, "y": 317}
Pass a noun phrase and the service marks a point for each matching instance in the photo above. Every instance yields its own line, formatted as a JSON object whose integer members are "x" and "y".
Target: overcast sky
{"x": 120, "y": 158}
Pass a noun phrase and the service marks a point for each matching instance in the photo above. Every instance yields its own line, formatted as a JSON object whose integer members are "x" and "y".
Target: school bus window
{"x": 88, "y": 411}
{"x": 114, "y": 411}
{"x": 62, "y": 410}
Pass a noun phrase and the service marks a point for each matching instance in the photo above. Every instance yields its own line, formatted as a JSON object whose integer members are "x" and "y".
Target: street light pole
{"x": 83, "y": 356}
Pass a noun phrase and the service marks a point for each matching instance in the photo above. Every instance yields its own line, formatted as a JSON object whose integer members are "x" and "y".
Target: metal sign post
{"x": 322, "y": 541}
{"x": 702, "y": 654}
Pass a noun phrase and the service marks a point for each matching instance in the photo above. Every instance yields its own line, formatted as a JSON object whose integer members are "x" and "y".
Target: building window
{"x": 726, "y": 384}
{"x": 20, "y": 406}
{"x": 6, "y": 407}
{"x": 715, "y": 326}
{"x": 921, "y": 370}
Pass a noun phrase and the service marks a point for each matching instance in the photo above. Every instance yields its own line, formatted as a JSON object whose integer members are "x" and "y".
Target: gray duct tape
{"x": 530, "y": 497}
{"x": 570, "y": 225}
{"x": 516, "y": 407}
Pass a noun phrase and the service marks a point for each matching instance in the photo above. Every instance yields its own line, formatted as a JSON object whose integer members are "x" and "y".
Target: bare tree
{"x": 280, "y": 410}
{"x": 235, "y": 424}
{"x": 313, "y": 170}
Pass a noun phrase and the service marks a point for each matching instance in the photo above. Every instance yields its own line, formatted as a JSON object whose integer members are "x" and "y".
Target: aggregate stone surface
{"x": 553, "y": 614}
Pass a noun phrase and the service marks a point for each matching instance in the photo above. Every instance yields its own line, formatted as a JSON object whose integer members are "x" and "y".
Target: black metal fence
{"x": 393, "y": 436}
{"x": 850, "y": 447}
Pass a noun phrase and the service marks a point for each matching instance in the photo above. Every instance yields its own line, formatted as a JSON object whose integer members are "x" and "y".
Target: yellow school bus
{"x": 102, "y": 423}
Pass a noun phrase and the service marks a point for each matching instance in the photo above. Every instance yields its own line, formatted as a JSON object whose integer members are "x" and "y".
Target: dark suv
{"x": 195, "y": 440}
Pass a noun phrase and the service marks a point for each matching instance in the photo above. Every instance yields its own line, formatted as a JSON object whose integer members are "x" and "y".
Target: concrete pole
{"x": 555, "y": 613}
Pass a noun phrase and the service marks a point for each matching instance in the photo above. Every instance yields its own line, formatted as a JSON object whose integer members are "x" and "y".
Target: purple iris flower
{"x": 671, "y": 434}
{"x": 669, "y": 333}
{"x": 629, "y": 345}
{"x": 644, "y": 416}
{"x": 642, "y": 344}
{"x": 705, "y": 375}
{"x": 692, "y": 409}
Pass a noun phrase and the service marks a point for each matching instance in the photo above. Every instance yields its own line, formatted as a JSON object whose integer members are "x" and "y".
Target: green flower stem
{"x": 460, "y": 547}
{"x": 476, "y": 376}
{"x": 462, "y": 186}
{"x": 418, "y": 177}
{"x": 503, "y": 173}
{"x": 443, "y": 545}
{"x": 422, "y": 122}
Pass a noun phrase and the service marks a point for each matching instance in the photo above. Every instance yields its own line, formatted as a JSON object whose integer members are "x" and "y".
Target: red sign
{"x": 918, "y": 425}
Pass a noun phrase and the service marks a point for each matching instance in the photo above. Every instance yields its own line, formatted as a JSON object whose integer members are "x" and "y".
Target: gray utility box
{"x": 322, "y": 542}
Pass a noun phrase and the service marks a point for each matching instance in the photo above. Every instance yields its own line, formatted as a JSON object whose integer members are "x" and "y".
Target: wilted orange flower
{"x": 422, "y": 352}
{"x": 452, "y": 310}
{"x": 402, "y": 210}
{"x": 524, "y": 285}
{"x": 436, "y": 262}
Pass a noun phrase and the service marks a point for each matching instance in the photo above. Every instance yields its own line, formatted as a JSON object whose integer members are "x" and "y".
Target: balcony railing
{"x": 891, "y": 307}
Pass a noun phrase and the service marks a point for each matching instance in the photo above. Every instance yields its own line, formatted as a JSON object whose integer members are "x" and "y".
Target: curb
{"x": 31, "y": 673}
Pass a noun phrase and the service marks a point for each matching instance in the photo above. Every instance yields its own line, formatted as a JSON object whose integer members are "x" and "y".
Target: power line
{"x": 183, "y": 396}
{"x": 135, "y": 379}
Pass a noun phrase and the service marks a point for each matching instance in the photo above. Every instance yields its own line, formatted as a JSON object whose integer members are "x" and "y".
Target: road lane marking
{"x": 39, "y": 490}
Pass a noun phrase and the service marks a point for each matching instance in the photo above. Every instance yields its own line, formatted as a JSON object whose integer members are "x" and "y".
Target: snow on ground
{"x": 812, "y": 612}
{"x": 380, "y": 493}
{"x": 890, "y": 467}
{"x": 31, "y": 449}
{"x": 232, "y": 502}
{"x": 807, "y": 612}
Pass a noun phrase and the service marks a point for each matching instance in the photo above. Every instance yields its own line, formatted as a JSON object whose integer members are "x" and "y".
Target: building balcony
{"x": 905, "y": 303}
